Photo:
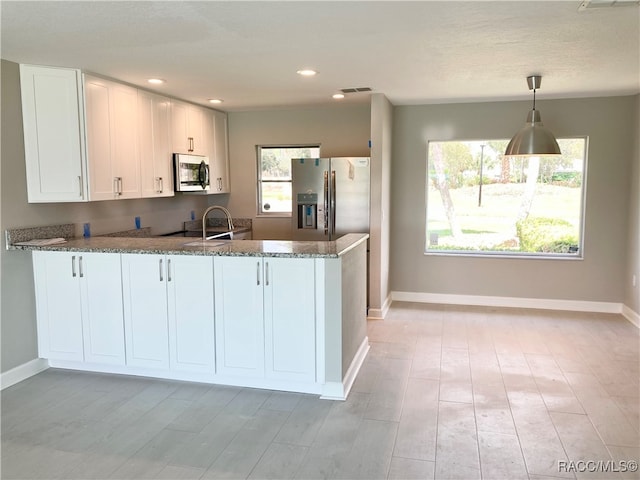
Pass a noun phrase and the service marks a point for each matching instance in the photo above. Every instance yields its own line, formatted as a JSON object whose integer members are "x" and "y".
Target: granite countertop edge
{"x": 234, "y": 248}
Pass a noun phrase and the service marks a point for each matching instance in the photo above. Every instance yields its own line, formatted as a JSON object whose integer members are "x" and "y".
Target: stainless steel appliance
{"x": 330, "y": 197}
{"x": 191, "y": 173}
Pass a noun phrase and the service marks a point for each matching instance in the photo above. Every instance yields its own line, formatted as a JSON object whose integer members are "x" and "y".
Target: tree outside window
{"x": 479, "y": 202}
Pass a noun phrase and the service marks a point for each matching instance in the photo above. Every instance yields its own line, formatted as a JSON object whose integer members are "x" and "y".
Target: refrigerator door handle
{"x": 326, "y": 202}
{"x": 332, "y": 205}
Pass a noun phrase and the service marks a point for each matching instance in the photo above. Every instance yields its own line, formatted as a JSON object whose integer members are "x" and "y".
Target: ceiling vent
{"x": 355, "y": 90}
{"x": 594, "y": 4}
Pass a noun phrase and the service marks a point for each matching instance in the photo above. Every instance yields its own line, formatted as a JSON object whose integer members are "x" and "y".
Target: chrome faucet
{"x": 204, "y": 219}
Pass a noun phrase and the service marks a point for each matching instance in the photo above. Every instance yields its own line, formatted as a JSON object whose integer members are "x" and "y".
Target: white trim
{"x": 321, "y": 340}
{"x": 340, "y": 391}
{"x": 514, "y": 302}
{"x": 209, "y": 378}
{"x": 333, "y": 391}
{"x": 22, "y": 372}
{"x": 630, "y": 315}
{"x": 380, "y": 313}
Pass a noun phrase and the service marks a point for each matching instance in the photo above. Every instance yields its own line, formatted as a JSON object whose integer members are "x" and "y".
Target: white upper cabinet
{"x": 112, "y": 139}
{"x": 52, "y": 113}
{"x": 154, "y": 148}
{"x": 188, "y": 131}
{"x": 219, "y": 153}
{"x": 88, "y": 138}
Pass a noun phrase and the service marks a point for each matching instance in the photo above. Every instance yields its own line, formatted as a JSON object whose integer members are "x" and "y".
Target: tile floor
{"x": 445, "y": 392}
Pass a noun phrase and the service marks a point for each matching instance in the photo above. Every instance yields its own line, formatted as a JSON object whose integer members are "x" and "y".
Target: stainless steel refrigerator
{"x": 330, "y": 197}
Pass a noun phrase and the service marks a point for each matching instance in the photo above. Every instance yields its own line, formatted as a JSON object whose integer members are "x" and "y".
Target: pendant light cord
{"x": 534, "y": 98}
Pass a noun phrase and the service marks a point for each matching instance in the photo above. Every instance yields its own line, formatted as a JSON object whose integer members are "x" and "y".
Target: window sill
{"x": 273, "y": 215}
{"x": 520, "y": 256}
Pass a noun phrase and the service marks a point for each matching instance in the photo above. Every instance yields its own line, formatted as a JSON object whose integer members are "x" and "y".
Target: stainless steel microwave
{"x": 191, "y": 173}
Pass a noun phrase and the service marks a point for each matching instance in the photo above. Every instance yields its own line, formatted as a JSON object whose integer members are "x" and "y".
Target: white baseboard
{"x": 513, "y": 302}
{"x": 340, "y": 390}
{"x": 630, "y": 315}
{"x": 380, "y": 313}
{"x": 22, "y": 372}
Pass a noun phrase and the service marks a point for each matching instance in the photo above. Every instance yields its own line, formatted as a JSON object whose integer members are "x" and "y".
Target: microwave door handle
{"x": 207, "y": 181}
{"x": 203, "y": 175}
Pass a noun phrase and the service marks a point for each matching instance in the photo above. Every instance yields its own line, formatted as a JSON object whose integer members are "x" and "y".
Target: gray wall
{"x": 609, "y": 123}
{"x": 631, "y": 293}
{"x": 18, "y": 330}
{"x": 341, "y": 130}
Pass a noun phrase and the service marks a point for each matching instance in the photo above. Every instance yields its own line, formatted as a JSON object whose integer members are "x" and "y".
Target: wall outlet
{"x": 633, "y": 280}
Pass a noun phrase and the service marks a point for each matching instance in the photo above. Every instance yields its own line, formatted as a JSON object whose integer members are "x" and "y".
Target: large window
{"x": 479, "y": 202}
{"x": 274, "y": 176}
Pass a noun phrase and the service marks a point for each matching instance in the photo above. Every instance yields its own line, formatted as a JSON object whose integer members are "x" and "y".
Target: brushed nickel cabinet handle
{"x": 266, "y": 274}
{"x": 168, "y": 270}
{"x": 80, "y": 184}
{"x": 160, "y": 270}
{"x": 80, "y": 265}
{"x": 73, "y": 266}
{"x": 258, "y": 273}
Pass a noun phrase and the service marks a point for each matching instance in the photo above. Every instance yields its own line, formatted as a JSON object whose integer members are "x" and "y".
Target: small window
{"x": 274, "y": 176}
{"x": 479, "y": 202}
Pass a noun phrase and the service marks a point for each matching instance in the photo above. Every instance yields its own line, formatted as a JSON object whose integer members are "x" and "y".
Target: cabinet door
{"x": 197, "y": 129}
{"x": 188, "y": 128}
{"x": 99, "y": 144}
{"x": 154, "y": 145}
{"x": 191, "y": 315}
{"x": 145, "y": 310}
{"x": 102, "y": 321}
{"x": 179, "y": 128}
{"x": 58, "y": 306}
{"x": 220, "y": 157}
{"x": 239, "y": 316}
{"x": 124, "y": 136}
{"x": 290, "y": 327}
{"x": 53, "y": 134}
{"x": 111, "y": 117}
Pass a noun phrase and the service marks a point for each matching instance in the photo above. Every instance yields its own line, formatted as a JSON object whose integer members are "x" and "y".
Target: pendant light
{"x": 533, "y": 139}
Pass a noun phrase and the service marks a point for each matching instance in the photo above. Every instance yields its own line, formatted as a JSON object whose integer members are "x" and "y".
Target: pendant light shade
{"x": 533, "y": 139}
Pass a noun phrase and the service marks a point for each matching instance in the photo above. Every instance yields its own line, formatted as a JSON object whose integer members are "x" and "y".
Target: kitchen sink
{"x": 221, "y": 236}
{"x": 205, "y": 243}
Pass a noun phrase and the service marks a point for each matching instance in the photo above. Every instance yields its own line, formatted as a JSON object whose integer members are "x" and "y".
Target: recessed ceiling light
{"x": 307, "y": 72}
{"x": 156, "y": 81}
{"x": 338, "y": 96}
{"x": 215, "y": 100}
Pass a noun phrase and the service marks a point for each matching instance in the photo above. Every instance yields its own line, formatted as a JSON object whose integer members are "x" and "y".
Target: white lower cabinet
{"x": 186, "y": 316}
{"x": 265, "y": 317}
{"x": 168, "y": 312}
{"x": 191, "y": 321}
{"x": 239, "y": 316}
{"x": 145, "y": 310}
{"x": 79, "y": 306}
{"x": 289, "y": 319}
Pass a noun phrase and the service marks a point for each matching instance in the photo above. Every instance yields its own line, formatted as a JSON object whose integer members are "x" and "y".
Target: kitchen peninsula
{"x": 266, "y": 314}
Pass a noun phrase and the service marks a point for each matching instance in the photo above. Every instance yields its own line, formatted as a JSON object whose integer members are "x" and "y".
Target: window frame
{"x": 579, "y": 255}
{"x": 260, "y": 181}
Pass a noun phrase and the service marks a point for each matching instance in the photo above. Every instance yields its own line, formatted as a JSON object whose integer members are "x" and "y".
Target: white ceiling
{"x": 414, "y": 52}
